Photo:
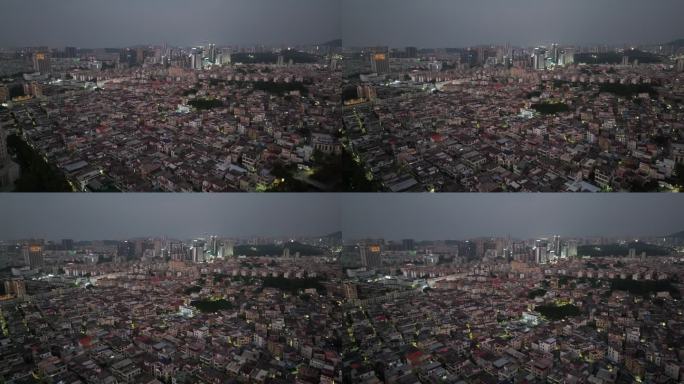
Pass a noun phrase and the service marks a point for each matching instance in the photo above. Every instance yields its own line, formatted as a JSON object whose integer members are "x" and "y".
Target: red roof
{"x": 414, "y": 356}
{"x": 85, "y": 341}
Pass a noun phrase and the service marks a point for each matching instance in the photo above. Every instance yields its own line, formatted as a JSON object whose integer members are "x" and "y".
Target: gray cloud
{"x": 118, "y": 216}
{"x": 105, "y": 23}
{"x": 461, "y": 216}
{"x": 458, "y": 23}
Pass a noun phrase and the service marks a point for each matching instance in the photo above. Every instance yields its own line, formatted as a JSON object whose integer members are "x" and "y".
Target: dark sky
{"x": 460, "y": 23}
{"x": 117, "y": 23}
{"x": 462, "y": 216}
{"x": 119, "y": 216}
{"x": 393, "y": 216}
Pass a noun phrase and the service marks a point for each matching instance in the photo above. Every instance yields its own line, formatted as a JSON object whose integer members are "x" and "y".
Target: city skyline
{"x": 128, "y": 23}
{"x": 447, "y": 23}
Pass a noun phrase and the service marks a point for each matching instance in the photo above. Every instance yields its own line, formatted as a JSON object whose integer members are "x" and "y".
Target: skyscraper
{"x": 223, "y": 58}
{"x": 408, "y": 244}
{"x": 33, "y": 255}
{"x": 556, "y": 245}
{"x": 212, "y": 53}
{"x": 555, "y": 53}
{"x": 196, "y": 60}
{"x": 125, "y": 251}
{"x": 539, "y": 58}
{"x": 67, "y": 244}
{"x": 213, "y": 245}
{"x": 198, "y": 251}
{"x": 16, "y": 288}
{"x": 380, "y": 63}
{"x": 41, "y": 62}
{"x": 70, "y": 52}
{"x": 572, "y": 248}
{"x": 567, "y": 57}
{"x": 139, "y": 56}
{"x": 226, "y": 249}
{"x": 541, "y": 252}
{"x": 370, "y": 256}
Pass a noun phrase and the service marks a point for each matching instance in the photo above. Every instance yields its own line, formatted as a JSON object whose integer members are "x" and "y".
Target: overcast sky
{"x": 424, "y": 23}
{"x": 392, "y": 216}
{"x": 524, "y": 215}
{"x": 460, "y": 23}
{"x": 120, "y": 216}
{"x": 117, "y": 23}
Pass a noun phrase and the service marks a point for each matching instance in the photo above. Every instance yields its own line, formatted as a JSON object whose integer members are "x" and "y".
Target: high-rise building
{"x": 213, "y": 245}
{"x": 4, "y": 93}
{"x": 158, "y": 246}
{"x": 198, "y": 251}
{"x": 16, "y": 288}
{"x": 41, "y": 62}
{"x": 67, "y": 244}
{"x": 350, "y": 291}
{"x": 226, "y": 249}
{"x": 408, "y": 244}
{"x": 370, "y": 256}
{"x": 541, "y": 252}
{"x": 212, "y": 53}
{"x": 128, "y": 57}
{"x": 380, "y": 63}
{"x": 567, "y": 57}
{"x": 572, "y": 248}
{"x": 70, "y": 52}
{"x": 33, "y": 255}
{"x": 176, "y": 250}
{"x": 223, "y": 58}
{"x": 139, "y": 56}
{"x": 557, "y": 245}
{"x": 411, "y": 52}
{"x": 680, "y": 64}
{"x": 539, "y": 58}
{"x": 196, "y": 60}
{"x": 286, "y": 252}
{"x": 125, "y": 251}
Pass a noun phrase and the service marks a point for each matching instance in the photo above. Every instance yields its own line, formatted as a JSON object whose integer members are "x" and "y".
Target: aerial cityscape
{"x": 214, "y": 109}
{"x": 341, "y": 192}
{"x": 500, "y": 96}
{"x": 341, "y": 114}
{"x": 504, "y": 118}
{"x": 326, "y": 307}
{"x": 176, "y": 119}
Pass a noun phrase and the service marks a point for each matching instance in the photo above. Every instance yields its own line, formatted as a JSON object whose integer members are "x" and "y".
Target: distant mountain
{"x": 678, "y": 235}
{"x": 337, "y": 43}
